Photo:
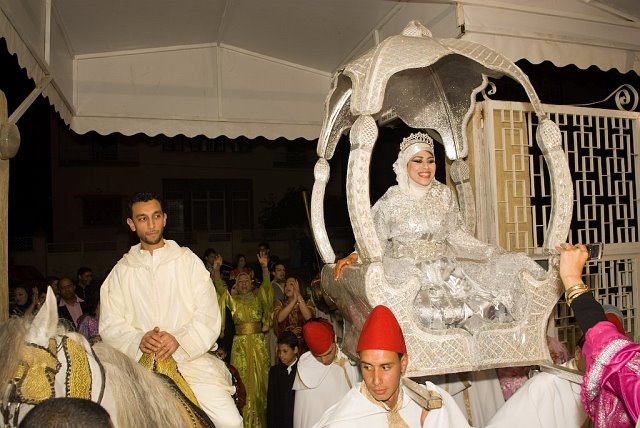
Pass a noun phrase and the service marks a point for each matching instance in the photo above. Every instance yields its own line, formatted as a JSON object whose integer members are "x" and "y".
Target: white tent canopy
{"x": 263, "y": 68}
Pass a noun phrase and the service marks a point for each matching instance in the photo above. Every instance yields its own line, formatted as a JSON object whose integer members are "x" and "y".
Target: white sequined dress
{"x": 464, "y": 282}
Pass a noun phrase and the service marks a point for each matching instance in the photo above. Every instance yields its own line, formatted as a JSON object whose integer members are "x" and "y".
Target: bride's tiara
{"x": 417, "y": 137}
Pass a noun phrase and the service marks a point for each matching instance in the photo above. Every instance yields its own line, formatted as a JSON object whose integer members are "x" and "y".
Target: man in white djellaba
{"x": 324, "y": 375}
{"x": 382, "y": 400}
{"x": 159, "y": 302}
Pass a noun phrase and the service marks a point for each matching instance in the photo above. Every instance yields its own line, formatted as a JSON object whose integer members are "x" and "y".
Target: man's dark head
{"x": 209, "y": 252}
{"x": 67, "y": 412}
{"x": 142, "y": 197}
{"x": 85, "y": 276}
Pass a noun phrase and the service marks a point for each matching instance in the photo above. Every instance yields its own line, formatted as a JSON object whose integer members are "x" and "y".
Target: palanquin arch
{"x": 432, "y": 84}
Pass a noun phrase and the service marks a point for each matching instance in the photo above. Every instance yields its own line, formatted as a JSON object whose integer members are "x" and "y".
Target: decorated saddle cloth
{"x": 168, "y": 370}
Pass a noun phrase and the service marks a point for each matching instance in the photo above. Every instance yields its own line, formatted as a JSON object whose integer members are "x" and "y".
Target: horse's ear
{"x": 45, "y": 323}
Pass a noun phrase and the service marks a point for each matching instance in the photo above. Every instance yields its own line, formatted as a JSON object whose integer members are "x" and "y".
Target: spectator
{"x": 277, "y": 284}
{"x": 611, "y": 384}
{"x": 280, "y": 395}
{"x": 279, "y": 273}
{"x": 70, "y": 306}
{"x": 88, "y": 322}
{"x": 67, "y": 412}
{"x": 251, "y": 312}
{"x": 84, "y": 287}
{"x": 273, "y": 259}
{"x": 292, "y": 312}
{"x": 25, "y": 301}
{"x": 52, "y": 281}
{"x": 324, "y": 375}
{"x": 209, "y": 257}
{"x": 240, "y": 267}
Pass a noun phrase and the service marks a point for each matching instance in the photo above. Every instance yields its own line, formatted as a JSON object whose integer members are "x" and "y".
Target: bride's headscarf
{"x": 409, "y": 147}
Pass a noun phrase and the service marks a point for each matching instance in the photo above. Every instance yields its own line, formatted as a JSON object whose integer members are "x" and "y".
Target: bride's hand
{"x": 340, "y": 264}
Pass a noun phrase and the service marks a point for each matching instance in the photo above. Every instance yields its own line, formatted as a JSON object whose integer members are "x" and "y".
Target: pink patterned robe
{"x": 611, "y": 386}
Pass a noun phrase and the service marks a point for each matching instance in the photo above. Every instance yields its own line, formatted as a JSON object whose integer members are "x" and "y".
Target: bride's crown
{"x": 417, "y": 137}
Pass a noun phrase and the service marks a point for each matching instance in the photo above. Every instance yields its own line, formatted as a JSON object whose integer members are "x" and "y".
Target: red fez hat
{"x": 615, "y": 321}
{"x": 319, "y": 335}
{"x": 614, "y": 316}
{"x": 382, "y": 331}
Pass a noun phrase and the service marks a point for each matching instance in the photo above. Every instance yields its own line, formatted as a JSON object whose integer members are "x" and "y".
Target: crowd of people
{"x": 250, "y": 346}
{"x": 78, "y": 301}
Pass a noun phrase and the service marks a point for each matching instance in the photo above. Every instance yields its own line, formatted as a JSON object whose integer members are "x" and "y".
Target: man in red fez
{"x": 324, "y": 374}
{"x": 382, "y": 400}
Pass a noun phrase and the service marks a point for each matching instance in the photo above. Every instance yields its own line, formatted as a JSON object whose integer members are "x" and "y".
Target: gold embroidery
{"x": 169, "y": 368}
{"x": 78, "y": 379}
{"x": 394, "y": 420}
{"x": 36, "y": 373}
{"x": 342, "y": 363}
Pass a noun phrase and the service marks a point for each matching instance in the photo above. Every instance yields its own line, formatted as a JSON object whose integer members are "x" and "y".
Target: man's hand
{"x": 340, "y": 264}
{"x": 158, "y": 342}
{"x": 151, "y": 343}
{"x": 169, "y": 345}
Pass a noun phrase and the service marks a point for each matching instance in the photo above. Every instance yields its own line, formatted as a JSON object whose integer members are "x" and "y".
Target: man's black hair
{"x": 143, "y": 197}
{"x": 82, "y": 270}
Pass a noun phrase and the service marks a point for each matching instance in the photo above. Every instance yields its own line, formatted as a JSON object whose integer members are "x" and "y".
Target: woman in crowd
{"x": 252, "y": 314}
{"x": 611, "y": 385}
{"x": 88, "y": 322}
{"x": 290, "y": 313}
{"x": 25, "y": 301}
{"x": 241, "y": 267}
{"x": 464, "y": 282}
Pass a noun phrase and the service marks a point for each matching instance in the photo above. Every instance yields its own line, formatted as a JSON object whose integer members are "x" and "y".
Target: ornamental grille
{"x": 601, "y": 148}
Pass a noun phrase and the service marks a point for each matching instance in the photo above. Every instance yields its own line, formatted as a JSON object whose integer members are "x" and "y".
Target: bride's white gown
{"x": 464, "y": 282}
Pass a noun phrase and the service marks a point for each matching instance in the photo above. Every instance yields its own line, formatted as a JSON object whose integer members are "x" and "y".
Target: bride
{"x": 464, "y": 282}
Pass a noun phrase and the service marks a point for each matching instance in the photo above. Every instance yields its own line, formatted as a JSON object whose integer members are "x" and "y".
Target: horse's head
{"x": 51, "y": 362}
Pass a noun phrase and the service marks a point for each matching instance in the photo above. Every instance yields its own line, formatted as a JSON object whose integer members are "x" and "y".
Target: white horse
{"x": 40, "y": 360}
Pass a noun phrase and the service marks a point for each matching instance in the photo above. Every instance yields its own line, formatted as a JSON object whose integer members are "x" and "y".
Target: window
{"x": 101, "y": 210}
{"x": 209, "y": 205}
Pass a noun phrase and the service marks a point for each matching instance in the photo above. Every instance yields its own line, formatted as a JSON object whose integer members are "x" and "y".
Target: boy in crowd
{"x": 280, "y": 395}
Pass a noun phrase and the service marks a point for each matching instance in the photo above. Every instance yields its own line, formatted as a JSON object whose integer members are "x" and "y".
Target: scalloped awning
{"x": 256, "y": 68}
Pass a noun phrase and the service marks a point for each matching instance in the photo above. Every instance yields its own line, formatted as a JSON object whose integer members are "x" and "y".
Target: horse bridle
{"x": 11, "y": 399}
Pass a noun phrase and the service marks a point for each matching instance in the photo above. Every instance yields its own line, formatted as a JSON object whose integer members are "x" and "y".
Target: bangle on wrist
{"x": 573, "y": 291}
{"x": 574, "y": 288}
{"x": 575, "y": 295}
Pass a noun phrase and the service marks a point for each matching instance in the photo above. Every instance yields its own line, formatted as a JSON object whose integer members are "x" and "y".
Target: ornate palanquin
{"x": 429, "y": 83}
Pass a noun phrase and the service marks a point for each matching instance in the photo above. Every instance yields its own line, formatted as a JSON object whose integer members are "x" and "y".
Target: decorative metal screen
{"x": 602, "y": 152}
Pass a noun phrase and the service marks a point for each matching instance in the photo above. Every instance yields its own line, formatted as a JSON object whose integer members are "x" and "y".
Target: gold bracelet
{"x": 582, "y": 285}
{"x": 569, "y": 291}
{"x": 575, "y": 291}
{"x": 573, "y": 297}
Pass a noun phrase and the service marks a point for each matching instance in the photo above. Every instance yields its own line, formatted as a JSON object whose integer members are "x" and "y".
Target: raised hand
{"x": 263, "y": 258}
